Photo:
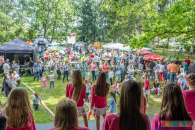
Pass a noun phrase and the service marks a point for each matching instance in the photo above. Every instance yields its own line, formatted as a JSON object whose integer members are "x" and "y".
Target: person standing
{"x": 76, "y": 90}
{"x": 191, "y": 50}
{"x": 141, "y": 64}
{"x": 105, "y": 69}
{"x": 168, "y": 59}
{"x": 181, "y": 49}
{"x": 129, "y": 116}
{"x": 41, "y": 57}
{"x": 173, "y": 69}
{"x": 15, "y": 66}
{"x": 66, "y": 69}
{"x": 187, "y": 60}
{"x": 97, "y": 60}
{"x": 151, "y": 67}
{"x": 191, "y": 69}
{"x": 31, "y": 65}
{"x": 93, "y": 66}
{"x": 185, "y": 66}
{"x": 36, "y": 69}
{"x": 6, "y": 68}
{"x": 99, "y": 94}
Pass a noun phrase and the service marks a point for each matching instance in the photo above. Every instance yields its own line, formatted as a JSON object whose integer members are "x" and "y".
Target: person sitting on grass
{"x": 156, "y": 86}
{"x": 36, "y": 100}
{"x": 66, "y": 116}
{"x": 126, "y": 79}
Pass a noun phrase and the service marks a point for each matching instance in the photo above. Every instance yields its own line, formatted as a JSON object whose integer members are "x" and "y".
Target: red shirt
{"x": 31, "y": 127}
{"x": 156, "y": 124}
{"x": 78, "y": 128}
{"x": 97, "y": 101}
{"x": 69, "y": 93}
{"x": 188, "y": 62}
{"x": 147, "y": 85}
{"x": 105, "y": 68}
{"x": 189, "y": 97}
{"x": 111, "y": 122}
{"x": 92, "y": 56}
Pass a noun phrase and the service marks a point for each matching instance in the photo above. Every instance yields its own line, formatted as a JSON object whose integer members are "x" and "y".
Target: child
{"x": 14, "y": 84}
{"x": 115, "y": 86}
{"x": 2, "y": 122}
{"x": 89, "y": 74}
{"x": 126, "y": 79}
{"x": 111, "y": 75}
{"x": 44, "y": 81}
{"x": 88, "y": 89}
{"x": 100, "y": 66}
{"x": 83, "y": 74}
{"x": 147, "y": 88}
{"x": 112, "y": 102}
{"x": 90, "y": 110}
{"x": 18, "y": 111}
{"x": 66, "y": 116}
{"x": 51, "y": 77}
{"x": 12, "y": 75}
{"x": 36, "y": 100}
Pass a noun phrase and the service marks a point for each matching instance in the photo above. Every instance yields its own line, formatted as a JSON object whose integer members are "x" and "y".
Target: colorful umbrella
{"x": 153, "y": 57}
{"x": 143, "y": 52}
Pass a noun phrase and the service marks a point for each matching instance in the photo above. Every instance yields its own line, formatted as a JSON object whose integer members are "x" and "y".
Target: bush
{"x": 187, "y": 47}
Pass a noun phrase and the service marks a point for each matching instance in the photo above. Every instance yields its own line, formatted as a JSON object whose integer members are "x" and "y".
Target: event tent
{"x": 18, "y": 49}
{"x": 120, "y": 47}
{"x": 80, "y": 43}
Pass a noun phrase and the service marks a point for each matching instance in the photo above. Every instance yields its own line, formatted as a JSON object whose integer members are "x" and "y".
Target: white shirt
{"x": 17, "y": 77}
{"x": 96, "y": 59}
{"x": 125, "y": 80}
{"x": 161, "y": 68}
{"x": 111, "y": 74}
{"x": 130, "y": 71}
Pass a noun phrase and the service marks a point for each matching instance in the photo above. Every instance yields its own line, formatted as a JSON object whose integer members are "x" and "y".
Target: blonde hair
{"x": 77, "y": 83}
{"x": 156, "y": 80}
{"x": 66, "y": 115}
{"x": 18, "y": 108}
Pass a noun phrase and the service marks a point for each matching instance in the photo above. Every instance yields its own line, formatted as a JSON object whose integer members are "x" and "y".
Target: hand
{"x": 117, "y": 105}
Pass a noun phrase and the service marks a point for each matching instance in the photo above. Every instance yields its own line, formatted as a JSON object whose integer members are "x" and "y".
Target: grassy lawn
{"x": 51, "y": 98}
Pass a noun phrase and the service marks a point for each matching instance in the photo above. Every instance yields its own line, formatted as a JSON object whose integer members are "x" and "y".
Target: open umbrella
{"x": 153, "y": 57}
{"x": 143, "y": 52}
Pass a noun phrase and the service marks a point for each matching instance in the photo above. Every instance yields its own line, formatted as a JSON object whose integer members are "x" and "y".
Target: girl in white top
{"x": 181, "y": 76}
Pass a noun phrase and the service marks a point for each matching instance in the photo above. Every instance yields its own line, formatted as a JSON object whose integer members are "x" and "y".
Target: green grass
{"x": 51, "y": 98}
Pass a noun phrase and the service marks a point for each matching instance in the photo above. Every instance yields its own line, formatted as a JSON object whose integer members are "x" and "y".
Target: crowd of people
{"x": 90, "y": 82}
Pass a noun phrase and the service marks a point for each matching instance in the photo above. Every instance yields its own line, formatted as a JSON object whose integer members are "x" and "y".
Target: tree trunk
{"x": 45, "y": 29}
{"x": 158, "y": 41}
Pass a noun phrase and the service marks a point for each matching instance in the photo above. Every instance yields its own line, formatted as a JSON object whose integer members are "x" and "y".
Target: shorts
{"x": 99, "y": 111}
{"x": 141, "y": 67}
{"x": 168, "y": 76}
{"x": 147, "y": 92}
{"x": 81, "y": 111}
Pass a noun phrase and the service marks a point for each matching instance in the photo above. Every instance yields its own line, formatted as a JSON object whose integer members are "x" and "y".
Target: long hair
{"x": 18, "y": 108}
{"x": 130, "y": 116}
{"x": 66, "y": 115}
{"x": 77, "y": 83}
{"x": 5, "y": 77}
{"x": 113, "y": 95}
{"x": 101, "y": 87}
{"x": 173, "y": 104}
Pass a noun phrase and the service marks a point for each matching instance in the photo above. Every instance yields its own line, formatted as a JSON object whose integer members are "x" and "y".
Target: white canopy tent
{"x": 120, "y": 47}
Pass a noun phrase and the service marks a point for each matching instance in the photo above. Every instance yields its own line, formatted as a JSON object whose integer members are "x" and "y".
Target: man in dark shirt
{"x": 191, "y": 69}
{"x": 151, "y": 67}
{"x": 41, "y": 57}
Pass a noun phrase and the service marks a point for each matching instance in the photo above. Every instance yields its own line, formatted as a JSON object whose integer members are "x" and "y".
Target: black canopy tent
{"x": 18, "y": 50}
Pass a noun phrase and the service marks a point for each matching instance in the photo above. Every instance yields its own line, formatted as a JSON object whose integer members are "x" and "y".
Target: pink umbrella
{"x": 143, "y": 52}
{"x": 153, "y": 57}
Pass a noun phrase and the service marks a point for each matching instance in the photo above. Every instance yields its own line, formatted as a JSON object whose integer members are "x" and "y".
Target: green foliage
{"x": 187, "y": 47}
{"x": 50, "y": 17}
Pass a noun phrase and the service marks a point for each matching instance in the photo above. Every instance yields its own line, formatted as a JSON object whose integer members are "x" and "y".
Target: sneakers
{"x": 53, "y": 88}
{"x": 49, "y": 89}
{"x": 43, "y": 88}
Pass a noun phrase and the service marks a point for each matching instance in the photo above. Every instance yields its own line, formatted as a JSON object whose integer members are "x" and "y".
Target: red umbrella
{"x": 153, "y": 57}
{"x": 144, "y": 52}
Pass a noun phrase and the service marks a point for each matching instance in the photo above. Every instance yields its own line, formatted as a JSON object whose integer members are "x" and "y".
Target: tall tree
{"x": 50, "y": 17}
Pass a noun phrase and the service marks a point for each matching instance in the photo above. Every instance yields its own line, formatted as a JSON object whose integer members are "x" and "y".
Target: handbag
{"x": 156, "y": 91}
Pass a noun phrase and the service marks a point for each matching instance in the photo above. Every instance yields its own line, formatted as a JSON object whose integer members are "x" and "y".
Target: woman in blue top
{"x": 112, "y": 103}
